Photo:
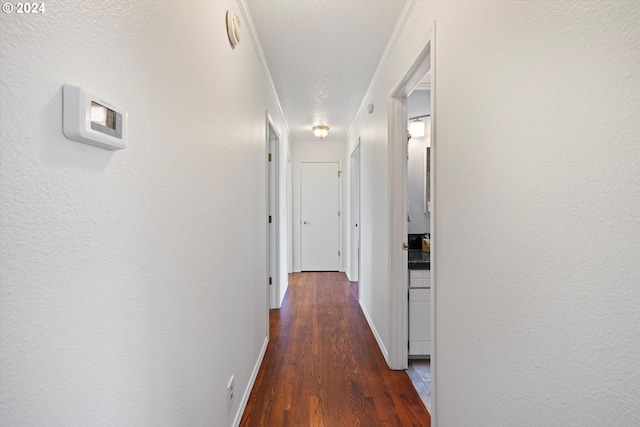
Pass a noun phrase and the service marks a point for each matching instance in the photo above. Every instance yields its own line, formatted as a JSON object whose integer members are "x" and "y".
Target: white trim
{"x": 273, "y": 168}
{"x": 289, "y": 179}
{"x": 252, "y": 381}
{"x": 397, "y": 150}
{"x": 268, "y": 241}
{"x": 398, "y": 270}
{"x": 342, "y": 256}
{"x": 262, "y": 59}
{"x": 432, "y": 228}
{"x": 354, "y": 217}
{"x": 412, "y": 78}
{"x": 376, "y": 335}
{"x": 393, "y": 39}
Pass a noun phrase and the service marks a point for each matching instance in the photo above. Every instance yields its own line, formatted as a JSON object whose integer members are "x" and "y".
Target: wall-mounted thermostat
{"x": 89, "y": 119}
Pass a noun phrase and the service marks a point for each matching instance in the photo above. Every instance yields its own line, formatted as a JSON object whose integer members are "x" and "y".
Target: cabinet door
{"x": 419, "y": 278}
{"x": 419, "y": 322}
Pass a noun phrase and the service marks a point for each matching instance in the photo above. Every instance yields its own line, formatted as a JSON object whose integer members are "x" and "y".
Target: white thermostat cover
{"x": 89, "y": 119}
{"x": 233, "y": 28}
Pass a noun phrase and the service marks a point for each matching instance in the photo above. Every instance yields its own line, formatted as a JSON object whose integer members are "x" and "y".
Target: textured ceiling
{"x": 322, "y": 55}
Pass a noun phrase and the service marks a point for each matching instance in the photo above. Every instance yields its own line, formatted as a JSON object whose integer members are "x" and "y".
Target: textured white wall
{"x": 314, "y": 151}
{"x": 538, "y": 194}
{"x": 132, "y": 282}
{"x": 419, "y": 103}
{"x": 374, "y": 213}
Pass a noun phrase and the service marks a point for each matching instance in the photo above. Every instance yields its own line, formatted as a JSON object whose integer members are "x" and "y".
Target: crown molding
{"x": 262, "y": 59}
{"x": 391, "y": 44}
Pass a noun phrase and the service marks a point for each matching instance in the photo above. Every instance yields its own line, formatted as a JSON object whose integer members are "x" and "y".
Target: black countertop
{"x": 419, "y": 260}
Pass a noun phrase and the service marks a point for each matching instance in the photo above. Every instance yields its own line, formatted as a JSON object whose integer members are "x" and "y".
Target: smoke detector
{"x": 233, "y": 28}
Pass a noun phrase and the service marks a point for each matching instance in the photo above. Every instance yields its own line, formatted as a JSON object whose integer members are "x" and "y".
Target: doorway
{"x": 398, "y": 254}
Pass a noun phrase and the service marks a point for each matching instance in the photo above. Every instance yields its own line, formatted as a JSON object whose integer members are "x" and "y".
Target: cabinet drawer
{"x": 419, "y": 295}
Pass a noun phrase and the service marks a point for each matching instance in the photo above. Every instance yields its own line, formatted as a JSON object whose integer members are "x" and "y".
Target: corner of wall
{"x": 252, "y": 381}
{"x": 383, "y": 349}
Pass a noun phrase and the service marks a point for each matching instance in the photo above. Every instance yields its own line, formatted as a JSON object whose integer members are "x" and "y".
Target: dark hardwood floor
{"x": 323, "y": 367}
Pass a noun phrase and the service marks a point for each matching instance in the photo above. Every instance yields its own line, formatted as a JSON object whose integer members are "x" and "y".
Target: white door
{"x": 355, "y": 214}
{"x": 272, "y": 161}
{"x": 320, "y": 216}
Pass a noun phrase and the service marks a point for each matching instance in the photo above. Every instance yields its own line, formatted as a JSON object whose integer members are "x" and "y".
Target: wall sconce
{"x": 417, "y": 126}
{"x": 321, "y": 131}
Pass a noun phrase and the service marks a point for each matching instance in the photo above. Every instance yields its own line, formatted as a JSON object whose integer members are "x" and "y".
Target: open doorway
{"x": 398, "y": 216}
{"x": 419, "y": 207}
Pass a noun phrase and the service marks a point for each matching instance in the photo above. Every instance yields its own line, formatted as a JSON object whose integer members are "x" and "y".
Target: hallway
{"x": 134, "y": 284}
{"x": 323, "y": 366}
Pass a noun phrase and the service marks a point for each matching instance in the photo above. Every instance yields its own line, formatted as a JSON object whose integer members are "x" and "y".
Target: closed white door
{"x": 320, "y": 216}
{"x": 355, "y": 214}
{"x": 274, "y": 282}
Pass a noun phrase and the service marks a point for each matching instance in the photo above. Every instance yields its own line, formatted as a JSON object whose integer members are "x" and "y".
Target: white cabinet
{"x": 419, "y": 313}
{"x": 419, "y": 278}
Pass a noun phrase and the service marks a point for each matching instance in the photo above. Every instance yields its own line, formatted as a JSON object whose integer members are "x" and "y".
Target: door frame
{"x": 273, "y": 228}
{"x": 289, "y": 215}
{"x": 354, "y": 225}
{"x": 397, "y": 152}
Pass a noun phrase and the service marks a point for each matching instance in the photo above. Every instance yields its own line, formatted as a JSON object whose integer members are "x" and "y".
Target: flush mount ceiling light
{"x": 321, "y": 131}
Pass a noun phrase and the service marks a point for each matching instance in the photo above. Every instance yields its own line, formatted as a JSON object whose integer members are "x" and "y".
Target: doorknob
{"x": 405, "y": 246}
{"x": 305, "y": 222}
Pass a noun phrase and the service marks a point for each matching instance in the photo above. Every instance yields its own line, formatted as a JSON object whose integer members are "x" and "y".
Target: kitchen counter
{"x": 419, "y": 260}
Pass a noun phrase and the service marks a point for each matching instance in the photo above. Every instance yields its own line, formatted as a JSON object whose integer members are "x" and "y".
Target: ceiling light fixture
{"x": 321, "y": 131}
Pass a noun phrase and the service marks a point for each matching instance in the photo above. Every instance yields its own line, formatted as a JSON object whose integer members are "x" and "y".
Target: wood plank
{"x": 323, "y": 366}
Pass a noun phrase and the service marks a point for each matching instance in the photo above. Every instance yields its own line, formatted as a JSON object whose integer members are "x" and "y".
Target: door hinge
{"x": 338, "y": 253}
{"x": 338, "y": 213}
{"x": 270, "y": 281}
{"x": 339, "y": 172}
{"x": 269, "y": 219}
{"x": 269, "y": 156}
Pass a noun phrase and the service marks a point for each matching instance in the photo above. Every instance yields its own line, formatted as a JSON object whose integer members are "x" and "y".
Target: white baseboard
{"x": 347, "y": 273}
{"x": 383, "y": 349}
{"x": 252, "y": 380}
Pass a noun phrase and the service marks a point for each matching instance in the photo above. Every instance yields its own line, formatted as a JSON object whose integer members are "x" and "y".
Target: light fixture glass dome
{"x": 321, "y": 131}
